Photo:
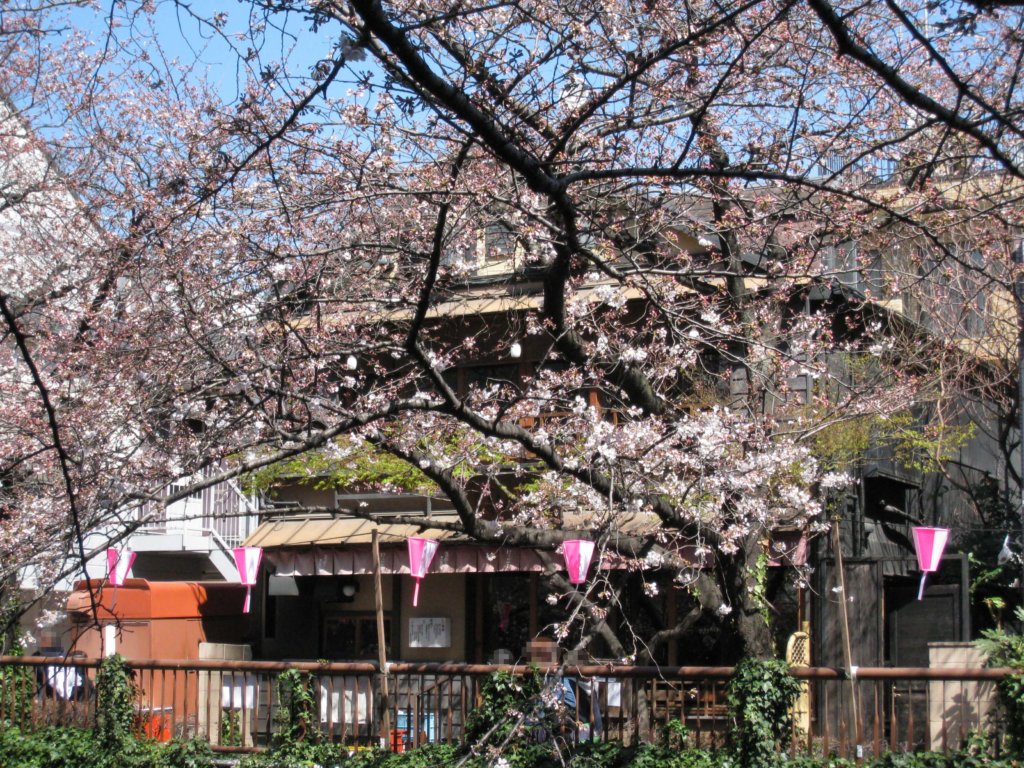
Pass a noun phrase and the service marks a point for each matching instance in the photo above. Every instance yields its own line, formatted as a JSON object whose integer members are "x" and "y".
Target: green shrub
{"x": 298, "y": 741}
{"x": 194, "y": 753}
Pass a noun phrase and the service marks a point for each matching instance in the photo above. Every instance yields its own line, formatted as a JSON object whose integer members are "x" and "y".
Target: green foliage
{"x": 298, "y": 731}
{"x": 230, "y": 728}
{"x": 990, "y": 579}
{"x": 842, "y": 447}
{"x": 675, "y": 734}
{"x": 51, "y": 748}
{"x": 760, "y": 696}
{"x": 1003, "y": 648}
{"x": 757, "y": 580}
{"x": 75, "y": 748}
{"x": 16, "y": 683}
{"x": 302, "y": 755}
{"x": 115, "y": 702}
{"x": 1006, "y": 649}
{"x": 194, "y": 753}
{"x": 351, "y": 463}
{"x": 600, "y": 754}
{"x": 10, "y": 628}
{"x": 17, "y": 687}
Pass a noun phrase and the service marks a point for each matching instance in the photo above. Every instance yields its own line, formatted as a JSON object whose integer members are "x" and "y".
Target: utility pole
{"x": 382, "y": 651}
{"x": 1018, "y": 285}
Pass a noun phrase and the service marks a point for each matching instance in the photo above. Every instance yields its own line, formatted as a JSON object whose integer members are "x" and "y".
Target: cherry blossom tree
{"x": 703, "y": 234}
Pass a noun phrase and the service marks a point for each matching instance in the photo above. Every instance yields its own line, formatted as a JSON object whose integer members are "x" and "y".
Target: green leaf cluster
{"x": 842, "y": 446}
{"x": 503, "y": 697}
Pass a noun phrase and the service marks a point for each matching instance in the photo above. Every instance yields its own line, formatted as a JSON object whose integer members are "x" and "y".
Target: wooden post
{"x": 845, "y": 627}
{"x": 382, "y": 650}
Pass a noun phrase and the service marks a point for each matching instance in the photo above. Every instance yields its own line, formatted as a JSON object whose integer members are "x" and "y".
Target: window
{"x": 501, "y": 381}
{"x": 499, "y": 242}
{"x": 840, "y": 262}
{"x": 352, "y": 636}
{"x": 956, "y": 290}
{"x": 178, "y": 488}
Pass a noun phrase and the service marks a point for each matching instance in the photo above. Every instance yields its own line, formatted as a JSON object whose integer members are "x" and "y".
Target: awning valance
{"x": 339, "y": 546}
{"x": 457, "y": 558}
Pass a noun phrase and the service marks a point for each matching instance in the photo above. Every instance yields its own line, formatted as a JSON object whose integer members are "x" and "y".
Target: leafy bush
{"x": 17, "y": 688}
{"x": 16, "y": 683}
{"x": 194, "y": 753}
{"x": 760, "y": 698}
{"x": 76, "y": 748}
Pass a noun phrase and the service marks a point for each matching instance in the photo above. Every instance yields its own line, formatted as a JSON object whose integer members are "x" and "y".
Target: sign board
{"x": 430, "y": 633}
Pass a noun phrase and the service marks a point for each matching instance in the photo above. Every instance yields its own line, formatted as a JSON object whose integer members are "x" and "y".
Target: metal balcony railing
{"x": 222, "y": 509}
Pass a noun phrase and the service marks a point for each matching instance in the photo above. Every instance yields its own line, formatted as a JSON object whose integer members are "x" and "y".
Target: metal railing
{"x": 221, "y": 510}
{"x": 236, "y": 705}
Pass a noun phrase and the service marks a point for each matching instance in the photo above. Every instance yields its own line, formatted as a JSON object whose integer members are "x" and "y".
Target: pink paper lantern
{"x": 119, "y": 562}
{"x": 421, "y": 552}
{"x": 247, "y": 560}
{"x": 929, "y": 543}
{"x": 577, "y": 553}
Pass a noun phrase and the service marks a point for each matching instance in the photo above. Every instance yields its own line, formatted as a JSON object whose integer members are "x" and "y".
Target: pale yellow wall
{"x": 441, "y": 596}
{"x": 364, "y": 601}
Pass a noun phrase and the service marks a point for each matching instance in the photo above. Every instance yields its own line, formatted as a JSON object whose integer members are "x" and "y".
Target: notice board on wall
{"x": 430, "y": 632}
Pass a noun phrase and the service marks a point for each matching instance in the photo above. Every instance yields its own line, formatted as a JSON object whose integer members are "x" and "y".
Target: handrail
{"x": 583, "y": 670}
{"x": 195, "y": 697}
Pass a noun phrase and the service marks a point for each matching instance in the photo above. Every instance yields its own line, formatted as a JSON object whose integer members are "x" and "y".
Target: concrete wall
{"x": 219, "y": 692}
{"x": 955, "y": 708}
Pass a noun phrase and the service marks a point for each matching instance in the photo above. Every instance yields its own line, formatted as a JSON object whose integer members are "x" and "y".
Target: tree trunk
{"x": 746, "y": 584}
